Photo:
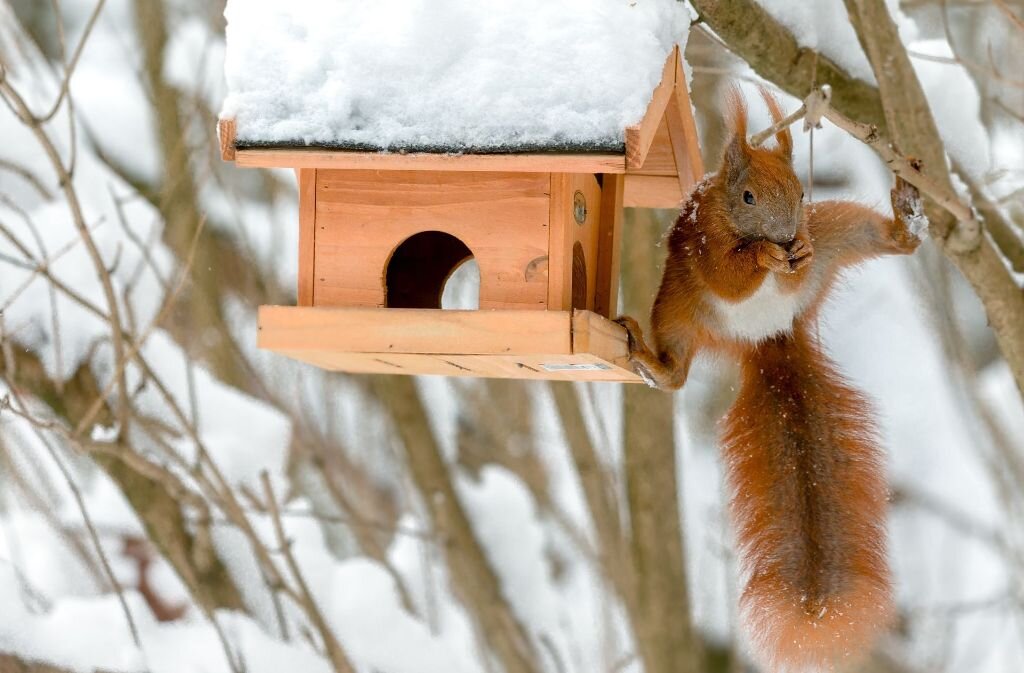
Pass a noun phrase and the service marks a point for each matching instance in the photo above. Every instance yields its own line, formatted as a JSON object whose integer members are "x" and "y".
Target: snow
{"x": 955, "y": 104}
{"x": 917, "y": 221}
{"x": 366, "y": 605}
{"x": 88, "y": 634}
{"x": 446, "y": 75}
{"x": 504, "y": 519}
{"x": 194, "y": 60}
{"x": 243, "y": 435}
{"x": 824, "y": 25}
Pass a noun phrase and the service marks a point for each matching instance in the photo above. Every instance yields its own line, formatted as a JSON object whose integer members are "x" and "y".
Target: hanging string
{"x": 810, "y": 167}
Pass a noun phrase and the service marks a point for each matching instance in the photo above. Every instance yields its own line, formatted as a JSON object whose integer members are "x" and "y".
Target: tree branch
{"x": 665, "y": 635}
{"x": 597, "y": 491}
{"x": 471, "y": 574}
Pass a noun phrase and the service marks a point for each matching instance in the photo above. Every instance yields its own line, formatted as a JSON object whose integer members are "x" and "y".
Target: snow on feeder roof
{"x": 468, "y": 76}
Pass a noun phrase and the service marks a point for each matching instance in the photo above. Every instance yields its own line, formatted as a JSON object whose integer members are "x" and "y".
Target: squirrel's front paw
{"x": 801, "y": 252}
{"x": 635, "y": 343}
{"x": 772, "y": 256}
{"x": 909, "y": 220}
{"x": 634, "y": 335}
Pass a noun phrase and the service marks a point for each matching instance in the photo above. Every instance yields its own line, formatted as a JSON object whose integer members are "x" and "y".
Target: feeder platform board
{"x": 554, "y": 345}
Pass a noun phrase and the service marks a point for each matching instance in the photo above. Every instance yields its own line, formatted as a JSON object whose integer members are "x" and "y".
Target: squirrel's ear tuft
{"x": 736, "y": 157}
{"x": 783, "y": 137}
{"x": 737, "y": 152}
{"x": 736, "y": 112}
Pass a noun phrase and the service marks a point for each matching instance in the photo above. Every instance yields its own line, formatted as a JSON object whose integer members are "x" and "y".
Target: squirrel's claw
{"x": 801, "y": 253}
{"x": 635, "y": 344}
{"x": 634, "y": 335}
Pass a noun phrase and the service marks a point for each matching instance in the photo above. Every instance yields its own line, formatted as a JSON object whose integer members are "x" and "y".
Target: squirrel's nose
{"x": 782, "y": 231}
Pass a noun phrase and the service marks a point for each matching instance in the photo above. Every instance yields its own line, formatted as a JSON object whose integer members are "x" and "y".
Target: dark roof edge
{"x": 608, "y": 147}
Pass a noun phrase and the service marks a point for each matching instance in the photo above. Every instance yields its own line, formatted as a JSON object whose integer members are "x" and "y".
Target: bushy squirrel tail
{"x": 808, "y": 503}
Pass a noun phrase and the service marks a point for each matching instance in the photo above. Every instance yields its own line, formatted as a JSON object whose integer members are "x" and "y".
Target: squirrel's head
{"x": 760, "y": 190}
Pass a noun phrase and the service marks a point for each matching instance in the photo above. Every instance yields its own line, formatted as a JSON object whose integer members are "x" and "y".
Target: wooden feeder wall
{"x": 392, "y": 238}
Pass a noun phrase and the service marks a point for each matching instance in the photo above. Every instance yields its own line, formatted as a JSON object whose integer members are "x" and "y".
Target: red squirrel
{"x": 749, "y": 266}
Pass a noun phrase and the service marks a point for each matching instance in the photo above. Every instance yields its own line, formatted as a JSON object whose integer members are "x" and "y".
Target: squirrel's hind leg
{"x": 668, "y": 369}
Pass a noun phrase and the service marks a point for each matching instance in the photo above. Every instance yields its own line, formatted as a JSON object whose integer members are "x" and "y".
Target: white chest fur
{"x": 763, "y": 314}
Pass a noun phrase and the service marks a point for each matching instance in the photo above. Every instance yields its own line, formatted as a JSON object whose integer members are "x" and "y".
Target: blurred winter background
{"x": 173, "y": 500}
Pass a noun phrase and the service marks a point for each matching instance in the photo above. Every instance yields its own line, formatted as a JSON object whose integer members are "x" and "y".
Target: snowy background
{"x": 170, "y": 443}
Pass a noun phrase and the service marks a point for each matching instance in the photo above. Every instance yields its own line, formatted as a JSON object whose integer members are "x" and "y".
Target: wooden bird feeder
{"x": 381, "y": 233}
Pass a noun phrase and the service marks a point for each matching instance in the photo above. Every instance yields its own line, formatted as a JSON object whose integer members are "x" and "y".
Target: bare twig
{"x": 43, "y": 500}
{"x": 987, "y": 71}
{"x": 140, "y": 341}
{"x": 94, "y": 537}
{"x": 72, "y": 64}
{"x": 597, "y": 490}
{"x": 1010, "y": 242}
{"x": 1010, "y": 14}
{"x": 665, "y": 636}
{"x": 339, "y": 660}
{"x": 36, "y": 267}
{"x": 28, "y": 176}
{"x": 21, "y": 109}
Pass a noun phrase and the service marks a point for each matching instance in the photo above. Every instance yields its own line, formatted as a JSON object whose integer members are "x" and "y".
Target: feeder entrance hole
{"x": 421, "y": 267}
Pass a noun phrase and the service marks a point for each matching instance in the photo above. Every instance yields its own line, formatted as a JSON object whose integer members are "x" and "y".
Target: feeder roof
{"x": 465, "y": 76}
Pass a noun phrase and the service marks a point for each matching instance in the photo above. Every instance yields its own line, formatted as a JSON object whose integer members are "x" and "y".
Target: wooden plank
{"x": 339, "y": 159}
{"x": 587, "y": 235}
{"x": 307, "y": 236}
{"x": 560, "y": 227}
{"x": 660, "y": 160}
{"x": 226, "y": 129}
{"x": 423, "y": 331}
{"x": 552, "y": 345}
{"x": 652, "y": 191}
{"x": 602, "y": 338}
{"x": 640, "y": 136}
{"x": 606, "y": 297}
{"x": 584, "y": 367}
{"x": 680, "y": 147}
{"x": 674, "y": 153}
{"x": 363, "y": 216}
{"x": 682, "y": 96}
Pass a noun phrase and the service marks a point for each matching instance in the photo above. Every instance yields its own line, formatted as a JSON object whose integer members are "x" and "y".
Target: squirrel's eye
{"x": 801, "y": 196}
{"x": 748, "y": 198}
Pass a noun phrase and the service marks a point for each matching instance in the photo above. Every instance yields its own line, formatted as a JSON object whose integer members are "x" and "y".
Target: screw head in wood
{"x": 579, "y": 207}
